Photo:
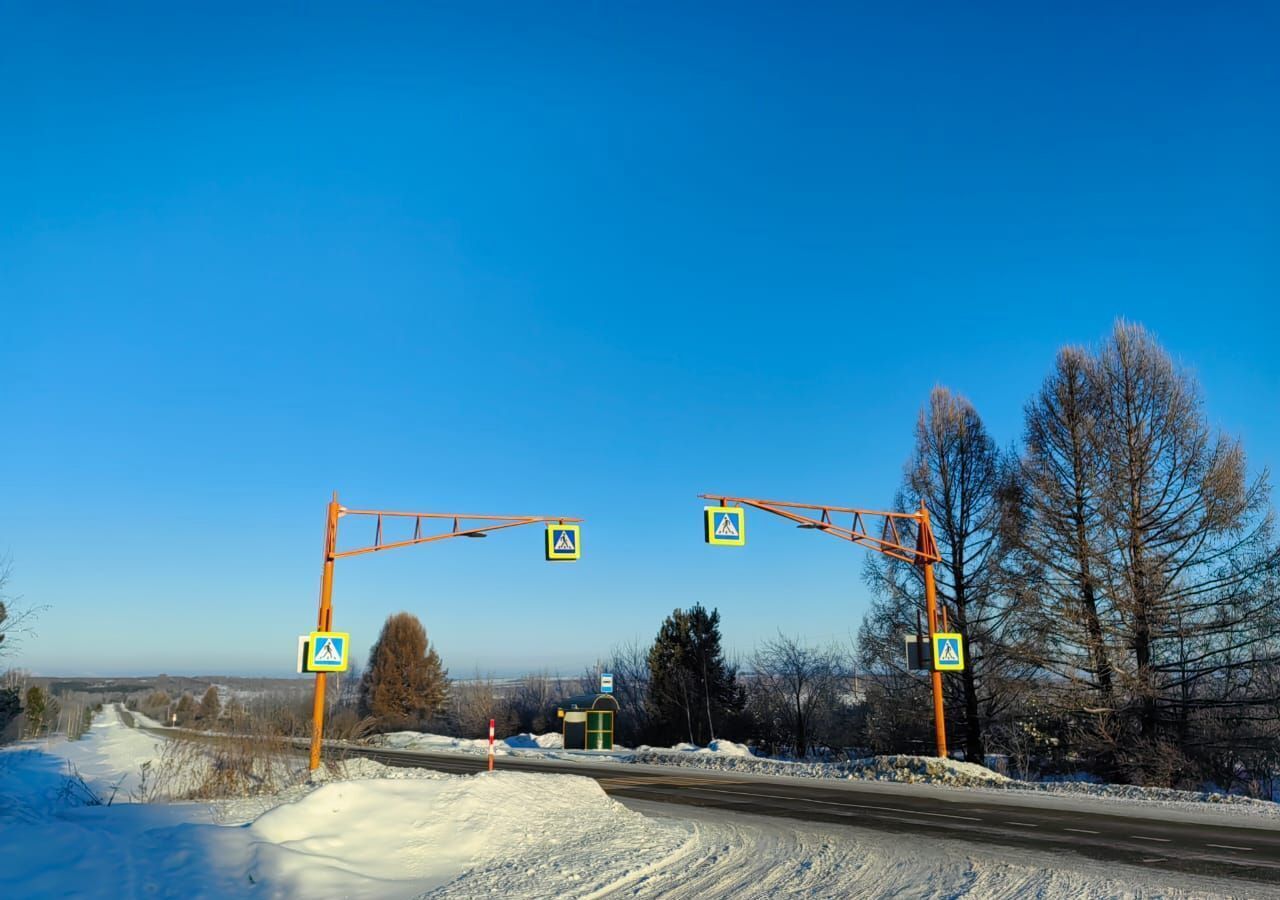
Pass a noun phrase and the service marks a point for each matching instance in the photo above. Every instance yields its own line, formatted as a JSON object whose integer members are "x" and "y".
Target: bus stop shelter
{"x": 588, "y": 721}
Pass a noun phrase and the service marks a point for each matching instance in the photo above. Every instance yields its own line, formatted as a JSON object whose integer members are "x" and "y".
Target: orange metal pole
{"x": 931, "y": 610}
{"x": 324, "y": 622}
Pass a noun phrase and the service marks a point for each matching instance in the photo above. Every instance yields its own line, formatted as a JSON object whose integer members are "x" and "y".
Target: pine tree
{"x": 186, "y": 709}
{"x": 693, "y": 693}
{"x": 36, "y": 710}
{"x": 209, "y": 706}
{"x": 10, "y": 706}
{"x": 404, "y": 685}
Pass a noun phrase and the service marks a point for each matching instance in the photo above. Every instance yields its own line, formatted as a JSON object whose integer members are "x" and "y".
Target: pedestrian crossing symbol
{"x": 563, "y": 543}
{"x": 725, "y": 525}
{"x": 948, "y": 652}
{"x": 327, "y": 651}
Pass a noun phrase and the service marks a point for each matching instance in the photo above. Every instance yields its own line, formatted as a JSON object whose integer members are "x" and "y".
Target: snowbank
{"x": 719, "y": 748}
{"x": 906, "y": 769}
{"x": 387, "y": 833}
{"x": 550, "y": 741}
{"x": 440, "y": 743}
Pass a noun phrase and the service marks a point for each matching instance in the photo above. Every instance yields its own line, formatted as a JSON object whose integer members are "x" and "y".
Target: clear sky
{"x": 574, "y": 259}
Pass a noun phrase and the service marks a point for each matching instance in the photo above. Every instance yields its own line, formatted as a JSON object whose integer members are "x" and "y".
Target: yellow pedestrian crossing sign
{"x": 327, "y": 651}
{"x": 948, "y": 652}
{"x": 563, "y": 543}
{"x": 725, "y": 525}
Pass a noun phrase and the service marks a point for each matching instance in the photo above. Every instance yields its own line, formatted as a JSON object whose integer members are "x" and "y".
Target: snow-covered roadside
{"x": 109, "y": 758}
{"x": 376, "y": 831}
{"x": 144, "y": 720}
{"x": 737, "y": 759}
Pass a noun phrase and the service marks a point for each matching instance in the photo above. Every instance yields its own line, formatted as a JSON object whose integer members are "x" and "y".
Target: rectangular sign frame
{"x": 709, "y": 525}
{"x": 938, "y": 639}
{"x": 554, "y": 555}
{"x": 314, "y": 640}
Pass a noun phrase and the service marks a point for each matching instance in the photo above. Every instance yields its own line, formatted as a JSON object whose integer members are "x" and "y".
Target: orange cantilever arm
{"x": 463, "y": 525}
{"x": 894, "y": 537}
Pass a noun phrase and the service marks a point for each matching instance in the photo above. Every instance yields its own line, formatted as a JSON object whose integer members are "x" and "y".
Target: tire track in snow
{"x": 749, "y": 856}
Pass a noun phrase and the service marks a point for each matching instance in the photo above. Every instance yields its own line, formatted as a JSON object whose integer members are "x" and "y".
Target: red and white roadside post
{"x": 491, "y": 745}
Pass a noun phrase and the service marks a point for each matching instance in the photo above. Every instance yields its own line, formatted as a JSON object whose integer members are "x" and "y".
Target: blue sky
{"x": 574, "y": 260}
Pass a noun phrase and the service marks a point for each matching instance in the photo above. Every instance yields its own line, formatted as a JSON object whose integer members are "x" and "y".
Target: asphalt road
{"x": 1191, "y": 847}
{"x": 1144, "y": 839}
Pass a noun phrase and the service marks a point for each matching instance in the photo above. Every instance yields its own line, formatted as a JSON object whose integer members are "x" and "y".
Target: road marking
{"x": 1230, "y": 847}
{"x": 947, "y": 816}
{"x": 1138, "y": 837}
{"x": 1023, "y": 824}
{"x": 910, "y": 812}
{"x": 1082, "y": 831}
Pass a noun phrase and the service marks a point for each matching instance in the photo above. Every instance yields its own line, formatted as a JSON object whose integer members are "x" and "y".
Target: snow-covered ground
{"x": 109, "y": 758}
{"x": 375, "y": 831}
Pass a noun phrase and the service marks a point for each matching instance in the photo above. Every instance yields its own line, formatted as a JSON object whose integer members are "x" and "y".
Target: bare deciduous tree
{"x": 956, "y": 470}
{"x": 1188, "y": 554}
{"x": 796, "y": 692}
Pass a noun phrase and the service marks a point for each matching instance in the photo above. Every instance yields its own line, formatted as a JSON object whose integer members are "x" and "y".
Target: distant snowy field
{"x": 380, "y": 832}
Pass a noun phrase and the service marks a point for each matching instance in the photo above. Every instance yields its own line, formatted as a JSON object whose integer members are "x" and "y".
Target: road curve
{"x": 1213, "y": 849}
{"x": 1218, "y": 850}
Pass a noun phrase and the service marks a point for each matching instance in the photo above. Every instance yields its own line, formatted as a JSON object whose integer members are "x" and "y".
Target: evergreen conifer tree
{"x": 404, "y": 685}
{"x": 693, "y": 692}
{"x": 210, "y": 706}
{"x": 36, "y": 710}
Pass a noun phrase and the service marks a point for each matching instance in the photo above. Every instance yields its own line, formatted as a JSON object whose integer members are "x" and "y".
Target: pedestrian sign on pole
{"x": 606, "y": 682}
{"x": 327, "y": 651}
{"x": 725, "y": 525}
{"x": 563, "y": 543}
{"x": 948, "y": 652}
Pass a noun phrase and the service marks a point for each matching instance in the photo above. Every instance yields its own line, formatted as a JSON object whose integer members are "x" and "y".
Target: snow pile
{"x": 907, "y": 769}
{"x": 717, "y": 748}
{"x": 729, "y": 748}
{"x": 437, "y": 743}
{"x": 502, "y": 833}
{"x": 1137, "y": 792}
{"x": 549, "y": 741}
{"x": 922, "y": 770}
{"x": 517, "y": 744}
